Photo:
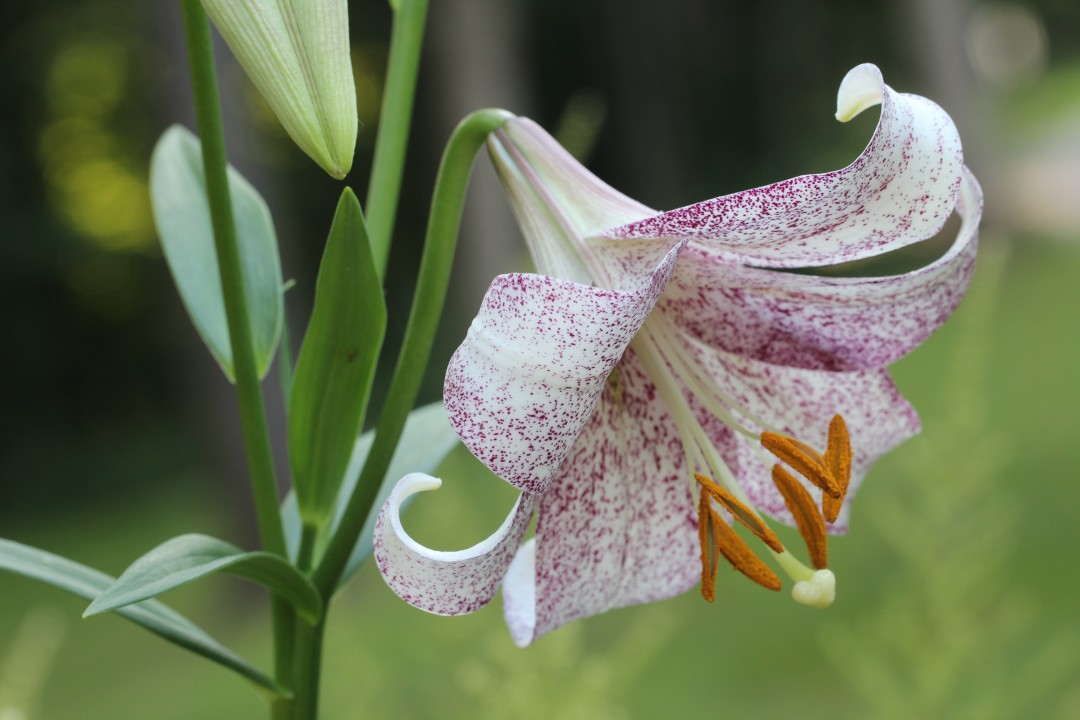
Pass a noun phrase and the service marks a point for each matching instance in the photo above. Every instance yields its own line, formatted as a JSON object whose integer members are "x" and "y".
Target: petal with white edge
{"x": 618, "y": 526}
{"x": 816, "y": 322}
{"x": 899, "y": 191}
{"x": 444, "y": 583}
{"x": 524, "y": 382}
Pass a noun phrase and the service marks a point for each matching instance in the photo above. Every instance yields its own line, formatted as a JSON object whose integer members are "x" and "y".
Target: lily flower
{"x": 641, "y": 388}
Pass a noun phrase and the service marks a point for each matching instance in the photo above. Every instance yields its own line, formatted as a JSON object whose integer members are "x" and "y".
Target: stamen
{"x": 740, "y": 512}
{"x": 708, "y": 548}
{"x": 711, "y": 397}
{"x": 838, "y": 462}
{"x": 739, "y": 554}
{"x": 807, "y": 516}
{"x": 808, "y": 464}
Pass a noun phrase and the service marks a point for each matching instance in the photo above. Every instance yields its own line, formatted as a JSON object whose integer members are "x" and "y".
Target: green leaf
{"x": 154, "y": 616}
{"x": 336, "y": 365}
{"x": 186, "y": 558}
{"x": 425, "y": 442}
{"x": 182, "y": 215}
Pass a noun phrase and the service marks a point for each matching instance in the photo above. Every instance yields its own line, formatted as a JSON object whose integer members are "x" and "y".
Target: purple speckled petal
{"x": 521, "y": 387}
{"x": 444, "y": 583}
{"x": 618, "y": 526}
{"x": 821, "y": 322}
{"x": 900, "y": 190}
{"x": 800, "y": 403}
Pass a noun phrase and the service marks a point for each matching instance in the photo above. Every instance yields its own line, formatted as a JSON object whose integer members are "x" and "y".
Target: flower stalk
{"x": 249, "y": 395}
{"x": 395, "y": 119}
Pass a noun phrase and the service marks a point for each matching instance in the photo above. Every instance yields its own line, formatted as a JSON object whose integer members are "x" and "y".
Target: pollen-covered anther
{"x": 807, "y": 516}
{"x": 740, "y": 512}
{"x": 838, "y": 462}
{"x": 708, "y": 548}
{"x": 739, "y": 554}
{"x": 804, "y": 459}
{"x": 718, "y": 538}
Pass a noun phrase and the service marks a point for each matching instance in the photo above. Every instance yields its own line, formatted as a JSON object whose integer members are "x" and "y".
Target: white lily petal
{"x": 618, "y": 526}
{"x": 899, "y": 191}
{"x": 444, "y": 583}
{"x": 821, "y": 322}
{"x": 536, "y": 358}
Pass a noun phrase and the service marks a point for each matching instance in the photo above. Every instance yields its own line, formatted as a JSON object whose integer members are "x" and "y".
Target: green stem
{"x": 447, "y": 204}
{"x": 248, "y": 392}
{"x": 395, "y": 118}
{"x": 306, "y": 552}
{"x": 306, "y": 669}
{"x": 307, "y": 656}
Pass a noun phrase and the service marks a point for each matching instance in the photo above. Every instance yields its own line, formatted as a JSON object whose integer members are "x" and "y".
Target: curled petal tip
{"x": 414, "y": 483}
{"x": 862, "y": 88}
{"x": 440, "y": 582}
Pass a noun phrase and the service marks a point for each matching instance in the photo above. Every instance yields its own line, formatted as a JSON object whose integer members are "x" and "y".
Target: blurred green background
{"x": 957, "y": 586}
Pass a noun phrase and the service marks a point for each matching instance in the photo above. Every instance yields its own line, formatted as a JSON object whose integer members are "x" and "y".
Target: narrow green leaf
{"x": 186, "y": 558}
{"x": 154, "y": 616}
{"x": 336, "y": 365}
{"x": 182, "y": 215}
{"x": 425, "y": 442}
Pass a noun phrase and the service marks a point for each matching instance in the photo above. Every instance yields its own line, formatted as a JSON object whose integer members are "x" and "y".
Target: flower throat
{"x": 719, "y": 492}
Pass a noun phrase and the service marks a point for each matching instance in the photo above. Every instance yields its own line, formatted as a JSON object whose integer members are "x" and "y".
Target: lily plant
{"x": 665, "y": 374}
{"x": 662, "y": 376}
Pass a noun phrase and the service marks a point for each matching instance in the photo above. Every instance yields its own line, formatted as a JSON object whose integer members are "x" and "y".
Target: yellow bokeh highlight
{"x": 101, "y": 199}
{"x": 92, "y": 184}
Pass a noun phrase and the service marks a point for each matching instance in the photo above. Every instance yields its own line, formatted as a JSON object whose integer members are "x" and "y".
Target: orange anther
{"x": 806, "y": 461}
{"x": 838, "y": 462}
{"x": 807, "y": 516}
{"x": 740, "y": 512}
{"x": 739, "y": 554}
{"x": 708, "y": 548}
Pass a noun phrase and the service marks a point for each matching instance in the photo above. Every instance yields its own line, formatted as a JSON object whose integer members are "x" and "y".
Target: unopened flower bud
{"x": 297, "y": 54}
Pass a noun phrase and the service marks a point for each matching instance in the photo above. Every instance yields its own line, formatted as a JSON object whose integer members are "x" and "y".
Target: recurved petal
{"x": 522, "y": 385}
{"x": 444, "y": 583}
{"x": 618, "y": 525}
{"x": 800, "y": 403}
{"x": 823, "y": 322}
{"x": 900, "y": 190}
